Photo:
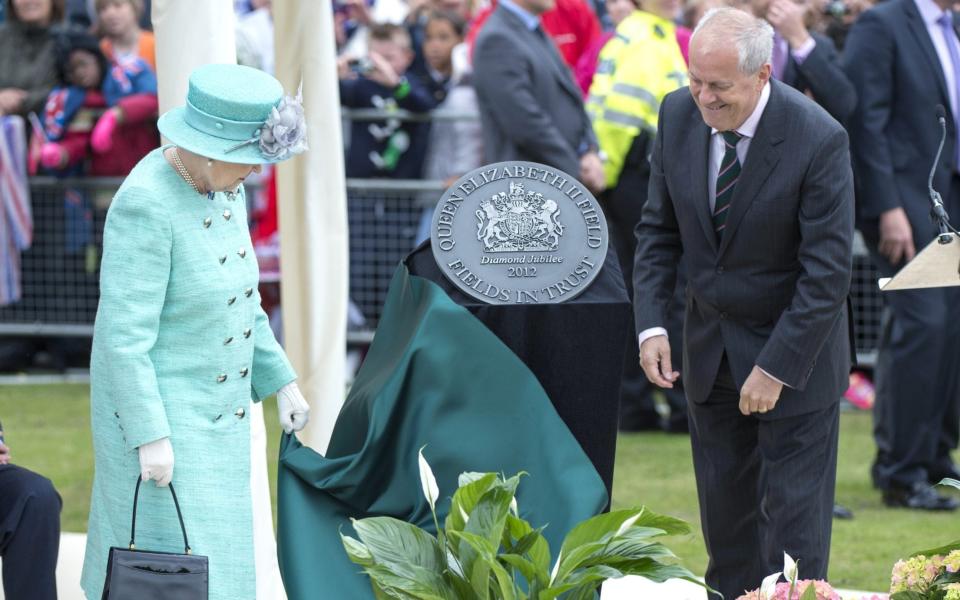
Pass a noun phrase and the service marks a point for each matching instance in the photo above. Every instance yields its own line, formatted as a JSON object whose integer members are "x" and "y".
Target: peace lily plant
{"x": 485, "y": 551}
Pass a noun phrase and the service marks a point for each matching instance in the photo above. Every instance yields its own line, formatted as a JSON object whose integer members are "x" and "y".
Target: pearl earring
{"x": 209, "y": 162}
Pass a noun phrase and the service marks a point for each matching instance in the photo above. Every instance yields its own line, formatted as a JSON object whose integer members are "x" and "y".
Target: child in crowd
{"x": 103, "y": 111}
{"x": 455, "y": 146}
{"x": 385, "y": 148}
{"x": 118, "y": 22}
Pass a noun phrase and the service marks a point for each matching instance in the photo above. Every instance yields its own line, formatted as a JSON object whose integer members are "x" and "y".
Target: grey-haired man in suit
{"x": 751, "y": 183}
{"x": 530, "y": 106}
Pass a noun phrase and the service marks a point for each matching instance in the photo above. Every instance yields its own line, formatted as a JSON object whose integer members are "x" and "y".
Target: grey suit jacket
{"x": 894, "y": 133}
{"x": 530, "y": 107}
{"x": 772, "y": 292}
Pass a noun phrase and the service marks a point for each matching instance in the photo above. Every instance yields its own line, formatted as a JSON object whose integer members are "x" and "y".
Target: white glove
{"x": 293, "y": 408}
{"x": 156, "y": 461}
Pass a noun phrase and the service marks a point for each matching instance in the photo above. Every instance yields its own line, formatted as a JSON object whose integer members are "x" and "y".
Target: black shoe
{"x": 919, "y": 496}
{"x": 842, "y": 512}
{"x": 935, "y": 474}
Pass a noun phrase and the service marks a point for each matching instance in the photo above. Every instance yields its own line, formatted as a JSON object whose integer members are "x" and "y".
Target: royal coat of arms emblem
{"x": 519, "y": 221}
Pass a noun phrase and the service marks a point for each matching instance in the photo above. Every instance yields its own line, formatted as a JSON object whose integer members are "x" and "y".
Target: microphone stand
{"x": 937, "y": 213}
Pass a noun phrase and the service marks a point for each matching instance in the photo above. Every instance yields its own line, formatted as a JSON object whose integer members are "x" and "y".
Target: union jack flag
{"x": 16, "y": 219}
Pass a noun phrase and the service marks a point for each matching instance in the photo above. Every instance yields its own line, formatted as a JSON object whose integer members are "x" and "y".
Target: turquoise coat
{"x": 180, "y": 348}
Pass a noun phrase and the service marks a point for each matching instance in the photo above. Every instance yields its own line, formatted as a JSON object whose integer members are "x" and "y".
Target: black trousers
{"x": 765, "y": 487}
{"x": 29, "y": 534}
{"x": 916, "y": 417}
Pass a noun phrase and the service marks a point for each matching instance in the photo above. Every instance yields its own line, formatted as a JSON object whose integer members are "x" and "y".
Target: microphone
{"x": 937, "y": 212}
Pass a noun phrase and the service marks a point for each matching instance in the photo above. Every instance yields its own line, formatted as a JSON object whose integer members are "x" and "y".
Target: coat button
{"x": 723, "y": 316}
{"x": 228, "y": 340}
{"x": 223, "y": 259}
{"x": 221, "y": 377}
{"x": 231, "y": 301}
{"x": 227, "y": 214}
{"x": 248, "y": 292}
{"x": 240, "y": 412}
{"x": 244, "y": 371}
{"x": 207, "y": 222}
{"x": 242, "y": 253}
{"x": 246, "y": 333}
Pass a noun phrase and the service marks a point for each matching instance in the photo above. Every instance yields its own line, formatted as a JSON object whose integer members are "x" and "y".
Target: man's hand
{"x": 382, "y": 72}
{"x": 655, "y": 361}
{"x": 759, "y": 393}
{"x": 896, "y": 236}
{"x": 591, "y": 172}
{"x": 786, "y": 16}
{"x": 4, "y": 454}
{"x": 11, "y": 99}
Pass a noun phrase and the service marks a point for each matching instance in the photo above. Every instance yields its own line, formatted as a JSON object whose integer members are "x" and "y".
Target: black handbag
{"x": 145, "y": 575}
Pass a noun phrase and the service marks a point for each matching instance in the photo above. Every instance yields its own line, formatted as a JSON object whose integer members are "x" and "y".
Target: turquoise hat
{"x": 237, "y": 114}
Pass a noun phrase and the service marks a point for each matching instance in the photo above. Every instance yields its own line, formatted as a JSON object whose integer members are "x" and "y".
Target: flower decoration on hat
{"x": 284, "y": 133}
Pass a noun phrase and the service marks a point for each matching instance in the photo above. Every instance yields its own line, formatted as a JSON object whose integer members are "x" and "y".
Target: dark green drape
{"x": 434, "y": 376}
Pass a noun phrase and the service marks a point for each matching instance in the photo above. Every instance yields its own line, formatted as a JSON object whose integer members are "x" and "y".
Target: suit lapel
{"x": 761, "y": 159}
{"x": 698, "y": 151}
{"x": 919, "y": 30}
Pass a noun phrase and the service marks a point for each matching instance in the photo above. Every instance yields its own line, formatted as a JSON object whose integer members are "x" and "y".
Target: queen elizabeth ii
{"x": 181, "y": 346}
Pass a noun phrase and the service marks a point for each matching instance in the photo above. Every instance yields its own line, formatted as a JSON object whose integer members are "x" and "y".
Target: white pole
{"x": 312, "y": 213}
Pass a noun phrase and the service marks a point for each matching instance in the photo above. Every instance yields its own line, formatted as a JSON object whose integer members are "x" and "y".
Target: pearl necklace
{"x": 182, "y": 170}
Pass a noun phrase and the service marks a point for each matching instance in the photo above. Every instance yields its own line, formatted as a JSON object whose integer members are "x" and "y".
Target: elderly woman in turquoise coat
{"x": 181, "y": 346}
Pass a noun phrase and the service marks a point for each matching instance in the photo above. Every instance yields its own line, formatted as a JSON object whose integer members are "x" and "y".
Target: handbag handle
{"x": 133, "y": 523}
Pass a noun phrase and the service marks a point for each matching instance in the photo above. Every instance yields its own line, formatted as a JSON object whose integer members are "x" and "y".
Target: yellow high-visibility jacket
{"x": 638, "y": 66}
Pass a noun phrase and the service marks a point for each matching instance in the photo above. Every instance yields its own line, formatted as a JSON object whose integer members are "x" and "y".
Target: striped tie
{"x": 726, "y": 180}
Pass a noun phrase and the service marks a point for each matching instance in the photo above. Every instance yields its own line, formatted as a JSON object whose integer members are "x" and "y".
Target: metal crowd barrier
{"x": 60, "y": 272}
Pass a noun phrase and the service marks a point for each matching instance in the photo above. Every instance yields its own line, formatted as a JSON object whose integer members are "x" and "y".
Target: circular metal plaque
{"x": 519, "y": 233}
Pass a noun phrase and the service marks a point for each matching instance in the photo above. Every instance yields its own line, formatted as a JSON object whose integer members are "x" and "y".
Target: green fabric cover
{"x": 434, "y": 376}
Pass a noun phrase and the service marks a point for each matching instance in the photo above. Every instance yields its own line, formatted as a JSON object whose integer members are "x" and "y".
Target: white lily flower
{"x": 628, "y": 523}
{"x": 769, "y": 586}
{"x": 427, "y": 481}
{"x": 513, "y": 507}
{"x": 789, "y": 568}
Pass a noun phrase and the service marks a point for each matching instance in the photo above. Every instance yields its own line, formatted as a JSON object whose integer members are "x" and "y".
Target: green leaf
{"x": 357, "y": 552}
{"x": 942, "y": 550}
{"x": 530, "y": 542}
{"x": 525, "y": 566}
{"x": 413, "y": 582}
{"x": 472, "y": 487}
{"x": 810, "y": 593}
{"x": 589, "y": 578}
{"x": 479, "y": 554}
{"x": 394, "y": 542}
{"x": 907, "y": 596}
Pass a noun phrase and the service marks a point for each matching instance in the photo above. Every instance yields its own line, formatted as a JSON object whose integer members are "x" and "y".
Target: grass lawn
{"x": 48, "y": 430}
